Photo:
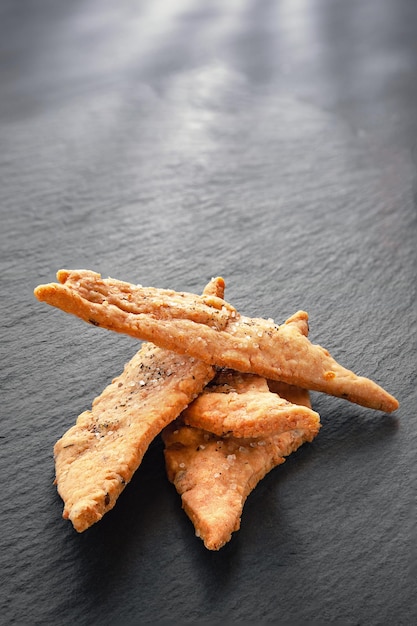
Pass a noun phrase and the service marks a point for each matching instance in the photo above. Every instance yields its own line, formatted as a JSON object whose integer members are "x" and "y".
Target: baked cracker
{"x": 97, "y": 457}
{"x": 214, "y": 475}
{"x": 210, "y": 329}
{"x": 242, "y": 405}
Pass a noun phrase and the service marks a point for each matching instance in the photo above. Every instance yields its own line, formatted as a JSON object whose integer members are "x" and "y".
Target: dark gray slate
{"x": 273, "y": 143}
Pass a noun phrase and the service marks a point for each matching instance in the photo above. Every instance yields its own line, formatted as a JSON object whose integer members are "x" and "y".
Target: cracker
{"x": 210, "y": 329}
{"x": 243, "y": 406}
{"x": 214, "y": 475}
{"x": 97, "y": 457}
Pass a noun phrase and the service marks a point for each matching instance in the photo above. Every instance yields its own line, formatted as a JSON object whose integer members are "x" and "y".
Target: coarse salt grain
{"x": 217, "y": 475}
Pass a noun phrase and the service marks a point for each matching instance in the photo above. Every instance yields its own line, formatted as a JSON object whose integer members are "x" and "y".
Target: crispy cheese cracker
{"x": 210, "y": 329}
{"x": 98, "y": 456}
{"x": 214, "y": 475}
{"x": 242, "y": 405}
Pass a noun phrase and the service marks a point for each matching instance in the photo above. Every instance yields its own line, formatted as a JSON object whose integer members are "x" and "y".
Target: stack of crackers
{"x": 229, "y": 395}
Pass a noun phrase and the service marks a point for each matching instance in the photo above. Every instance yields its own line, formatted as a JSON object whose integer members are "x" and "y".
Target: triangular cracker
{"x": 97, "y": 457}
{"x": 242, "y": 405}
{"x": 210, "y": 329}
{"x": 214, "y": 475}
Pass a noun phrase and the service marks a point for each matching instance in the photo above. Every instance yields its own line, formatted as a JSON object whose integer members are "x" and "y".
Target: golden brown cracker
{"x": 210, "y": 329}
{"x": 214, "y": 475}
{"x": 243, "y": 406}
{"x": 97, "y": 457}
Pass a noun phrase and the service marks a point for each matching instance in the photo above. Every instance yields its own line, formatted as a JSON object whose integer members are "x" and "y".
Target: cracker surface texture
{"x": 208, "y": 328}
{"x": 97, "y": 457}
{"x": 214, "y": 475}
{"x": 242, "y": 405}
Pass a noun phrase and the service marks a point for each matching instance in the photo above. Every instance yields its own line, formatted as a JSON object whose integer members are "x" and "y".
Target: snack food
{"x": 242, "y": 405}
{"x": 210, "y": 329}
{"x": 220, "y": 438}
{"x": 97, "y": 457}
{"x": 214, "y": 475}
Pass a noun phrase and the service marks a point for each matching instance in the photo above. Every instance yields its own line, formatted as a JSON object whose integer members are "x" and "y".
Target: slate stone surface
{"x": 272, "y": 143}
